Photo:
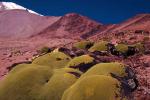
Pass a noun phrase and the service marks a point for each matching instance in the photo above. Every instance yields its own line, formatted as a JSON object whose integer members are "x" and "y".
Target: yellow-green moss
{"x": 84, "y": 59}
{"x": 21, "y": 67}
{"x": 122, "y": 48}
{"x": 83, "y": 44}
{"x": 100, "y": 46}
{"x": 107, "y": 69}
{"x": 34, "y": 82}
{"x": 61, "y": 80}
{"x": 140, "y": 47}
{"x": 68, "y": 70}
{"x": 24, "y": 84}
{"x": 96, "y": 87}
{"x": 44, "y": 50}
{"x": 53, "y": 60}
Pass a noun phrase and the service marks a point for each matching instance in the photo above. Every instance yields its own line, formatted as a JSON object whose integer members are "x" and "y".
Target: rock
{"x": 9, "y": 55}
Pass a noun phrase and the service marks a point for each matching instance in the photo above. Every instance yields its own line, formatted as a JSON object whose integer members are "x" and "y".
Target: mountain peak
{"x": 12, "y": 6}
{"x": 72, "y": 14}
{"x": 73, "y": 25}
{"x": 143, "y": 14}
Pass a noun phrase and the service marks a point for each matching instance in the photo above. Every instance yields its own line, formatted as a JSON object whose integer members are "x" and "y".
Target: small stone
{"x": 9, "y": 55}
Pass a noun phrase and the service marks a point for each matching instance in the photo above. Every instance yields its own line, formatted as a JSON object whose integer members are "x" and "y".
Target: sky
{"x": 104, "y": 11}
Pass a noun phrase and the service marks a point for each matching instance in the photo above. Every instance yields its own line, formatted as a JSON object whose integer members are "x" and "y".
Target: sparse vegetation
{"x": 82, "y": 63}
{"x": 146, "y": 38}
{"x": 107, "y": 69}
{"x": 42, "y": 82}
{"x": 16, "y": 86}
{"x": 53, "y": 60}
{"x": 122, "y": 48}
{"x": 100, "y": 46}
{"x": 44, "y": 50}
{"x": 96, "y": 87}
{"x": 140, "y": 47}
{"x": 57, "y": 76}
{"x": 83, "y": 44}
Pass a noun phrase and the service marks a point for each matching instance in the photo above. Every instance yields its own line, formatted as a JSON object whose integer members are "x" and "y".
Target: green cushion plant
{"x": 83, "y": 44}
{"x": 24, "y": 83}
{"x": 34, "y": 82}
{"x": 95, "y": 87}
{"x": 107, "y": 69}
{"x": 61, "y": 80}
{"x": 100, "y": 46}
{"x": 123, "y": 48}
{"x": 81, "y": 62}
{"x": 140, "y": 47}
{"x": 53, "y": 60}
{"x": 44, "y": 50}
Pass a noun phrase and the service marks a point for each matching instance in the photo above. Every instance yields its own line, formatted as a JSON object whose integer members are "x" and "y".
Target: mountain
{"x": 72, "y": 25}
{"x": 22, "y": 24}
{"x": 138, "y": 22}
{"x": 19, "y": 22}
{"x": 77, "y": 26}
{"x": 25, "y": 23}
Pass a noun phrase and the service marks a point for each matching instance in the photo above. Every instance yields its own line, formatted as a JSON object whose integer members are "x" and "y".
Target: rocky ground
{"x": 21, "y": 51}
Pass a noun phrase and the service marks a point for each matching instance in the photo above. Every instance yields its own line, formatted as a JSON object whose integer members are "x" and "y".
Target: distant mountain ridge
{"x": 19, "y": 22}
{"x": 138, "y": 22}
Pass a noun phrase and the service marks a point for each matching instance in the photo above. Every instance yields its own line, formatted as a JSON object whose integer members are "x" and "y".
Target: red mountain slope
{"x": 72, "y": 25}
{"x": 22, "y": 24}
{"x": 138, "y": 22}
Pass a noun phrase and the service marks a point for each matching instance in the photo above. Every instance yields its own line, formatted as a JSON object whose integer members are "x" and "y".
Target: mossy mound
{"x": 44, "y": 50}
{"x": 100, "y": 46}
{"x": 55, "y": 76}
{"x": 22, "y": 67}
{"x": 115, "y": 68}
{"x": 24, "y": 83}
{"x": 83, "y": 44}
{"x": 82, "y": 62}
{"x": 34, "y": 82}
{"x": 139, "y": 47}
{"x": 96, "y": 87}
{"x": 61, "y": 80}
{"x": 53, "y": 60}
{"x": 123, "y": 48}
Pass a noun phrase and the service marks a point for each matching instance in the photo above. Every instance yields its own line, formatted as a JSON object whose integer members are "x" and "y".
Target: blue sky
{"x": 105, "y": 11}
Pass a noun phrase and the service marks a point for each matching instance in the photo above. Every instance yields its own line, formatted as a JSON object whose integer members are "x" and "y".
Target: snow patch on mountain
{"x": 11, "y": 6}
